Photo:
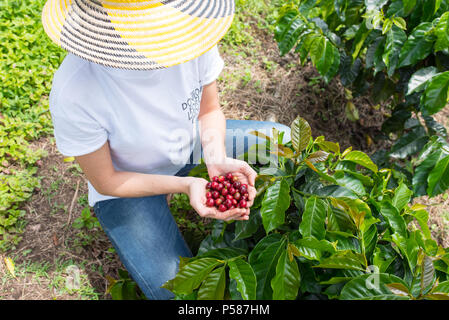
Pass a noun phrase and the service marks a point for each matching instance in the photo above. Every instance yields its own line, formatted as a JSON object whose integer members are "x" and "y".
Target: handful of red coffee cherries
{"x": 226, "y": 193}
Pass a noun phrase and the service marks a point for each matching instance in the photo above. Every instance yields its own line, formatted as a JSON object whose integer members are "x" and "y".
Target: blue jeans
{"x": 143, "y": 230}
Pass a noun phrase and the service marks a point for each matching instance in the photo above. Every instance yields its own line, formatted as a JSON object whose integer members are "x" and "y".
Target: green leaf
{"x": 427, "y": 273}
{"x": 398, "y": 289}
{"x": 243, "y": 274}
{"x": 343, "y": 260}
{"x": 442, "y": 33}
{"x": 436, "y": 94}
{"x": 402, "y": 196}
{"x": 409, "y": 248}
{"x": 362, "y": 159}
{"x": 400, "y": 23}
{"x": 222, "y": 253}
{"x": 442, "y": 287}
{"x": 313, "y": 217}
{"x": 422, "y": 216}
{"x": 116, "y": 291}
{"x": 394, "y": 42}
{"x": 213, "y": 286}
{"x": 409, "y": 144}
{"x": 286, "y": 282}
{"x": 191, "y": 275}
{"x": 327, "y": 60}
{"x": 264, "y": 267}
{"x": 262, "y": 245}
{"x": 372, "y": 287}
{"x": 288, "y": 31}
{"x": 393, "y": 218}
{"x": 317, "y": 50}
{"x": 437, "y": 296}
{"x": 438, "y": 179}
{"x": 374, "y": 55}
{"x": 408, "y": 5}
{"x": 274, "y": 204}
{"x": 418, "y": 45}
{"x": 419, "y": 80}
{"x": 359, "y": 40}
{"x": 336, "y": 191}
{"x": 350, "y": 182}
{"x": 300, "y": 133}
{"x": 388, "y": 24}
{"x": 351, "y": 111}
{"x": 382, "y": 257}
{"x": 313, "y": 249}
{"x": 318, "y": 156}
{"x": 423, "y": 170}
{"x": 245, "y": 229}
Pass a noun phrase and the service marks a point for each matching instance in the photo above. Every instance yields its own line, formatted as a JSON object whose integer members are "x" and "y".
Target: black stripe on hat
{"x": 207, "y": 13}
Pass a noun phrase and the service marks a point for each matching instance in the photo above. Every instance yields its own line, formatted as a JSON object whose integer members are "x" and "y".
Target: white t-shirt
{"x": 149, "y": 117}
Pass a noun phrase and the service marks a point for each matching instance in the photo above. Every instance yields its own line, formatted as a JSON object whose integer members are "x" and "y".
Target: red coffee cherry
{"x": 237, "y": 185}
{"x": 219, "y": 187}
{"x": 232, "y": 190}
{"x": 224, "y": 191}
{"x": 221, "y": 179}
{"x": 208, "y": 185}
{"x": 234, "y": 202}
{"x": 242, "y": 203}
{"x": 215, "y": 194}
{"x": 245, "y": 196}
{"x": 243, "y": 188}
{"x": 218, "y": 201}
{"x": 222, "y": 208}
{"x": 210, "y": 202}
{"x": 215, "y": 179}
{"x": 208, "y": 195}
{"x": 214, "y": 185}
{"x": 229, "y": 176}
{"x": 228, "y": 203}
{"x": 229, "y": 196}
{"x": 237, "y": 196}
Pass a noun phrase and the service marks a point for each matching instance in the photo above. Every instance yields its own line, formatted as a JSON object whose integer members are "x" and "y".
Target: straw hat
{"x": 137, "y": 34}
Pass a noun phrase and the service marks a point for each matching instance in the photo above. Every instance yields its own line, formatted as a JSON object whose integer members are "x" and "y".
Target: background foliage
{"x": 28, "y": 61}
{"x": 326, "y": 224}
{"x": 395, "y": 51}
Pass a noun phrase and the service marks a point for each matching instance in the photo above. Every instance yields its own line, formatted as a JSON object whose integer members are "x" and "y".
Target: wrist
{"x": 186, "y": 184}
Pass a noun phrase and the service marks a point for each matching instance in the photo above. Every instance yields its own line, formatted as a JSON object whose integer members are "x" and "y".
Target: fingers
{"x": 249, "y": 172}
{"x": 233, "y": 214}
{"x": 252, "y": 195}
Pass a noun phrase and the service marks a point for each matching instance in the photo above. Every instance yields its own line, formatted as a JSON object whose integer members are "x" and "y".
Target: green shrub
{"x": 326, "y": 224}
{"x": 396, "y": 52}
{"x": 29, "y": 59}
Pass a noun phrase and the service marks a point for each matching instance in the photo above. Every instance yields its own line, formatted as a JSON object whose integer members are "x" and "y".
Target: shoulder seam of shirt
{"x": 64, "y": 85}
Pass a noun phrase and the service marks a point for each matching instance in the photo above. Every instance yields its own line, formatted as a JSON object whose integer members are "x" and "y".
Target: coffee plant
{"x": 396, "y": 52}
{"x": 326, "y": 224}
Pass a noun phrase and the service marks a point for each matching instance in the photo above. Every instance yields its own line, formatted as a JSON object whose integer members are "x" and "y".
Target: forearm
{"x": 125, "y": 184}
{"x": 213, "y": 135}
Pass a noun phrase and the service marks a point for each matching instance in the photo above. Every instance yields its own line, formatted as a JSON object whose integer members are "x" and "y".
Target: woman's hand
{"x": 197, "y": 196}
{"x": 239, "y": 169}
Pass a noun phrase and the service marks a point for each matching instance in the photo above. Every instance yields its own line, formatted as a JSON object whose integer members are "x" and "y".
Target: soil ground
{"x": 256, "y": 84}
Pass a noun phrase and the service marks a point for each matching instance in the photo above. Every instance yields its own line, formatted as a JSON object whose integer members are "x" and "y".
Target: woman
{"x": 135, "y": 102}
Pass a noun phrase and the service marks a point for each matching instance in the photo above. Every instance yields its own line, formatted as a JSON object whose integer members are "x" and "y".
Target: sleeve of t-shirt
{"x": 211, "y": 65}
{"x": 76, "y": 133}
